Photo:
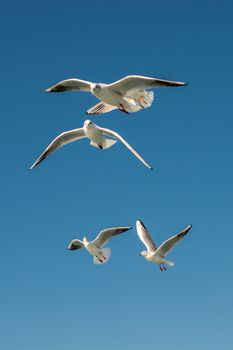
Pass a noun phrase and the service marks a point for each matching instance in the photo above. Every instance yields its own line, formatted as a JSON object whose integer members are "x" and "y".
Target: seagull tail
{"x": 109, "y": 143}
{"x": 106, "y": 143}
{"x": 104, "y": 256}
{"x": 169, "y": 263}
{"x": 148, "y": 99}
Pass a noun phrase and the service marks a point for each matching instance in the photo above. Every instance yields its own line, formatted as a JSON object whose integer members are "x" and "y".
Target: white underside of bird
{"x": 96, "y": 247}
{"x": 156, "y": 254}
{"x": 100, "y": 137}
{"x": 128, "y": 94}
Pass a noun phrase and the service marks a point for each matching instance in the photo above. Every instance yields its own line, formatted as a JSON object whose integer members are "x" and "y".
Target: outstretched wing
{"x": 75, "y": 244}
{"x": 136, "y": 82}
{"x": 100, "y": 108}
{"x": 104, "y": 235}
{"x": 59, "y": 141}
{"x": 120, "y": 138}
{"x": 145, "y": 237}
{"x": 167, "y": 246}
{"x": 69, "y": 85}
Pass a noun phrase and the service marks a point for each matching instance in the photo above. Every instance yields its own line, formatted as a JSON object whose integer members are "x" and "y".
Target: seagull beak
{"x": 140, "y": 254}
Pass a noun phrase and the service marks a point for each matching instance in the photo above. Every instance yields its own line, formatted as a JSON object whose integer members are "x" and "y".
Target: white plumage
{"x": 96, "y": 247}
{"x": 128, "y": 94}
{"x": 157, "y": 254}
{"x": 99, "y": 138}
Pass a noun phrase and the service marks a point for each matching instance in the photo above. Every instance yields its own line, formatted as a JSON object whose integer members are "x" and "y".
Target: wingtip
{"x": 32, "y": 167}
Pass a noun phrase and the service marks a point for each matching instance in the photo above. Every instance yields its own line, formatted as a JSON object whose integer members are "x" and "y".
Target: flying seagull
{"x": 156, "y": 254}
{"x": 101, "y": 255}
{"x": 99, "y": 138}
{"x": 128, "y": 94}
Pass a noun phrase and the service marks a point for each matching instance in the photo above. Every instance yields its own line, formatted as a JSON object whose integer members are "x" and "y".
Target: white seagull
{"x": 99, "y": 138}
{"x": 128, "y": 94}
{"x": 156, "y": 254}
{"x": 95, "y": 248}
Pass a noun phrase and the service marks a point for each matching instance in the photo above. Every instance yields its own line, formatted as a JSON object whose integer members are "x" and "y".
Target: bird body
{"x": 98, "y": 253}
{"x": 127, "y": 94}
{"x": 99, "y": 137}
{"x": 94, "y": 134}
{"x": 156, "y": 254}
{"x": 96, "y": 247}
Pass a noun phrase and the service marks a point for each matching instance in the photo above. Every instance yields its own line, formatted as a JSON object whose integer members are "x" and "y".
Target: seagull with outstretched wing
{"x": 96, "y": 247}
{"x": 157, "y": 254}
{"x": 128, "y": 94}
{"x": 100, "y": 137}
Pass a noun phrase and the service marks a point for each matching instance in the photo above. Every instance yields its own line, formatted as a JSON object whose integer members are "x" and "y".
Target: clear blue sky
{"x": 54, "y": 299}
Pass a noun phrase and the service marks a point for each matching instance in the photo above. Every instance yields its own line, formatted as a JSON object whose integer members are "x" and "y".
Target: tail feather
{"x": 169, "y": 263}
{"x": 109, "y": 143}
{"x": 106, "y": 143}
{"x": 139, "y": 99}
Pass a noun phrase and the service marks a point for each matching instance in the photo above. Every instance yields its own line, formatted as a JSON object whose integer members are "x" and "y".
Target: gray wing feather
{"x": 104, "y": 235}
{"x": 167, "y": 246}
{"x": 145, "y": 237}
{"x": 69, "y": 85}
{"x": 59, "y": 141}
{"x": 75, "y": 244}
{"x": 136, "y": 82}
{"x": 120, "y": 138}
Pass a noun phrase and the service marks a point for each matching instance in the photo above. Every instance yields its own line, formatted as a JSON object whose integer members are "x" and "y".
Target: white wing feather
{"x": 59, "y": 141}
{"x": 69, "y": 85}
{"x": 120, "y": 138}
{"x": 104, "y": 235}
{"x": 145, "y": 237}
{"x": 136, "y": 82}
{"x": 167, "y": 246}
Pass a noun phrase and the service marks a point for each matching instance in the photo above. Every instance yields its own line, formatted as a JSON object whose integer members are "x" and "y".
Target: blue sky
{"x": 52, "y": 298}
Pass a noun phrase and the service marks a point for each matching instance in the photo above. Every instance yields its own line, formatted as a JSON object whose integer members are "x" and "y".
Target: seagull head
{"x": 87, "y": 123}
{"x": 96, "y": 87}
{"x": 143, "y": 253}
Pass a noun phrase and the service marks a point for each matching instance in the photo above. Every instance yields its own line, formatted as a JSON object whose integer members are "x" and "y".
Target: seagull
{"x": 95, "y": 248}
{"x": 156, "y": 254}
{"x": 99, "y": 138}
{"x": 128, "y": 94}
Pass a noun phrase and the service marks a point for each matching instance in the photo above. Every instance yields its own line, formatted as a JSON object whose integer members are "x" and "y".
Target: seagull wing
{"x": 59, "y": 141}
{"x": 145, "y": 237}
{"x": 136, "y": 82}
{"x": 70, "y": 84}
{"x": 120, "y": 138}
{"x": 166, "y": 246}
{"x": 104, "y": 235}
{"x": 75, "y": 244}
{"x": 100, "y": 108}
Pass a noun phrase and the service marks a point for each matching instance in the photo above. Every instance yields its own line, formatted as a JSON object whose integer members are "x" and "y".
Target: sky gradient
{"x": 52, "y": 298}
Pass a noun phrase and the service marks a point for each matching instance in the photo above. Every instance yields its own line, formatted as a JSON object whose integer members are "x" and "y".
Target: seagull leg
{"x": 161, "y": 267}
{"x": 99, "y": 259}
{"x": 102, "y": 255}
{"x": 100, "y": 146}
{"x": 122, "y": 109}
{"x": 141, "y": 100}
{"x": 164, "y": 267}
